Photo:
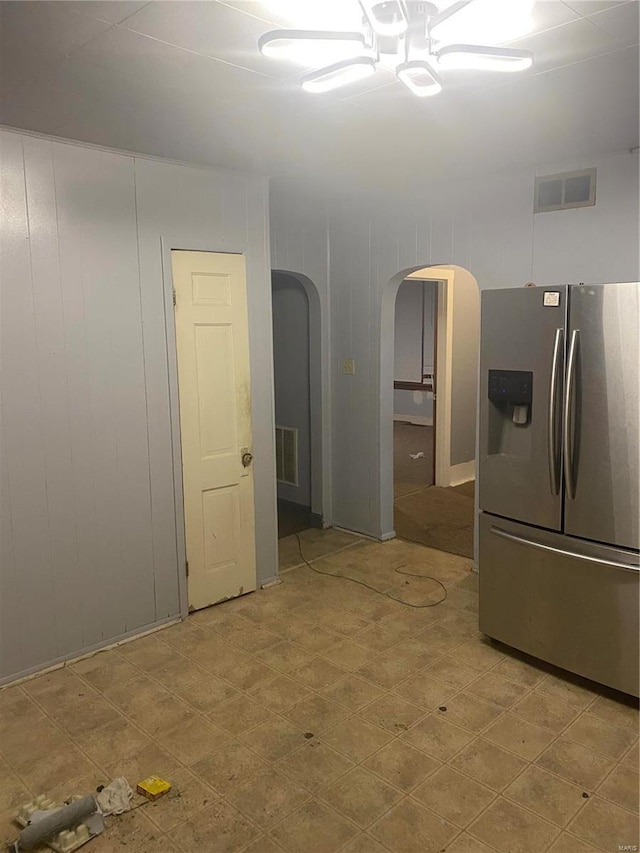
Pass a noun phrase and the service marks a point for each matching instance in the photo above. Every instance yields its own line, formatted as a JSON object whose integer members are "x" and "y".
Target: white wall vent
{"x": 287, "y": 455}
{"x": 564, "y": 191}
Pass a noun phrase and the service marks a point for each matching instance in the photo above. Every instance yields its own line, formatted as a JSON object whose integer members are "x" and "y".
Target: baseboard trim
{"x": 462, "y": 473}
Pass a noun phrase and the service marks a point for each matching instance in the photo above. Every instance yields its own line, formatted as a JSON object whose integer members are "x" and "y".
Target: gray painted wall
{"x": 90, "y": 551}
{"x": 291, "y": 376}
{"x": 487, "y": 227}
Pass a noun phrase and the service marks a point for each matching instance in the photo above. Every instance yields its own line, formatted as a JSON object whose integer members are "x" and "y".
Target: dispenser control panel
{"x": 511, "y": 386}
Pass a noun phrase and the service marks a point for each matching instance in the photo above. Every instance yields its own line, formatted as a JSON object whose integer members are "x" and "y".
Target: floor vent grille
{"x": 287, "y": 455}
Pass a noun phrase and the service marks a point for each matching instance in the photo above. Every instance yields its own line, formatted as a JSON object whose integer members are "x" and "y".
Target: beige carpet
{"x": 438, "y": 518}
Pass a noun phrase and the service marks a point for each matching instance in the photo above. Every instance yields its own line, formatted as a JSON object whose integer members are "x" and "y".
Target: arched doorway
{"x": 298, "y": 381}
{"x": 455, "y": 390}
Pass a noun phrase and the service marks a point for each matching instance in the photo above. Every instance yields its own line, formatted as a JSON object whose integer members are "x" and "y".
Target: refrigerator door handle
{"x": 552, "y": 426}
{"x": 629, "y": 567}
{"x": 569, "y": 419}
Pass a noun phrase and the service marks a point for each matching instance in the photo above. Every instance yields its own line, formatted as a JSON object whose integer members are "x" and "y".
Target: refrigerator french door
{"x": 559, "y": 476}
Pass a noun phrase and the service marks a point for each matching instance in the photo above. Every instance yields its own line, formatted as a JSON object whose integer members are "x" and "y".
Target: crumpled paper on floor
{"x": 115, "y": 798}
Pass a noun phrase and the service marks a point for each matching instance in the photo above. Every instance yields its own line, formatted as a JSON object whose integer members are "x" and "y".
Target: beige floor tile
{"x": 453, "y": 796}
{"x": 438, "y": 643}
{"x": 494, "y": 688}
{"x": 527, "y": 672}
{"x": 193, "y": 739}
{"x": 105, "y": 669}
{"x": 314, "y": 828}
{"x": 151, "y": 759}
{"x": 381, "y": 637}
{"x": 386, "y": 670}
{"x": 600, "y": 736}
{"x": 12, "y": 791}
{"x": 469, "y": 712}
{"x": 606, "y": 826}
{"x": 411, "y": 828}
{"x": 280, "y": 693}
{"x": 347, "y": 654}
{"x": 55, "y": 691}
{"x": 466, "y": 844}
{"x": 88, "y": 715}
{"x": 566, "y": 843}
{"x": 488, "y": 764}
{"x": 632, "y": 758}
{"x": 424, "y": 690}
{"x": 343, "y": 622}
{"x": 314, "y": 638}
{"x": 179, "y": 673}
{"x": 214, "y": 654}
{"x": 57, "y": 767}
{"x": 159, "y": 717}
{"x": 575, "y": 763}
{"x": 544, "y": 711}
{"x": 314, "y": 766}
{"x": 438, "y": 737}
{"x": 392, "y": 713}
{"x": 356, "y": 738}
{"x": 361, "y": 796}
{"x": 519, "y": 736}
{"x": 622, "y": 711}
{"x": 247, "y": 674}
{"x": 481, "y": 653}
{"x": 219, "y": 828}
{"x": 414, "y": 653}
{"x": 115, "y": 741}
{"x": 275, "y": 738}
{"x": 206, "y": 693}
{"x": 248, "y": 637}
{"x": 147, "y": 650}
{"x": 543, "y": 793}
{"x": 510, "y": 829}
{"x": 133, "y": 832}
{"x": 186, "y": 798}
{"x": 352, "y": 692}
{"x": 567, "y": 689}
{"x": 137, "y": 695}
{"x": 318, "y": 673}
{"x": 402, "y": 765}
{"x": 267, "y": 797}
{"x": 262, "y": 844}
{"x": 364, "y": 844}
{"x": 229, "y": 766}
{"x": 316, "y": 714}
{"x": 622, "y": 787}
{"x": 449, "y": 669}
{"x": 285, "y": 656}
{"x": 239, "y": 714}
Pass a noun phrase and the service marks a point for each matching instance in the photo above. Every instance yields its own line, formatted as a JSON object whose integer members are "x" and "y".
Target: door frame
{"x": 167, "y": 246}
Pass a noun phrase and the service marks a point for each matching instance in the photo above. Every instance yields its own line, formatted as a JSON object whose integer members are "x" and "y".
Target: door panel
{"x": 602, "y": 495}
{"x": 520, "y": 330}
{"x": 215, "y": 424}
{"x": 563, "y": 600}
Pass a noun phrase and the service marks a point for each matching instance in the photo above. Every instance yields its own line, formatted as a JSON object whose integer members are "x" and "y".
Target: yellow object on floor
{"x": 153, "y": 787}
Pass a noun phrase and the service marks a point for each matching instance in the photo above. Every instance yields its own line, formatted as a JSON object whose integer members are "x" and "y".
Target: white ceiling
{"x": 185, "y": 80}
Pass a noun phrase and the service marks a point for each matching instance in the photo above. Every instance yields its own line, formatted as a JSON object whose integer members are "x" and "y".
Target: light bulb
{"x": 482, "y": 58}
{"x": 311, "y": 47}
{"x": 419, "y": 78}
{"x": 339, "y": 74}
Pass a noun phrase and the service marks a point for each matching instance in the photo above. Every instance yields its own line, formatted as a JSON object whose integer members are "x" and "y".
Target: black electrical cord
{"x": 372, "y": 588}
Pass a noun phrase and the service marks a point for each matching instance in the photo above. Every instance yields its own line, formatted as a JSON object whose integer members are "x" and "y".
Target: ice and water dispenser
{"x": 510, "y": 393}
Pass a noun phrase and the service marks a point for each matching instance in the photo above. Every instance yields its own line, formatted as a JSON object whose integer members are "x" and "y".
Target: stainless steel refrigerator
{"x": 559, "y": 477}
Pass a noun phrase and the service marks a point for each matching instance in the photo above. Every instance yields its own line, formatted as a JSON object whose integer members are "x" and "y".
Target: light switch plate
{"x": 349, "y": 366}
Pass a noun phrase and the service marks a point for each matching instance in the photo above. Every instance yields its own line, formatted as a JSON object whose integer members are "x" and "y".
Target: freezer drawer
{"x": 561, "y": 599}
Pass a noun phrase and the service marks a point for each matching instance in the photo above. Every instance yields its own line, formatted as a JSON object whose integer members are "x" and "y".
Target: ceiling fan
{"x": 411, "y": 37}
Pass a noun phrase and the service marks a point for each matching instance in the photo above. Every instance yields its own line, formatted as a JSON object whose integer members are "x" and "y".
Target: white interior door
{"x": 215, "y": 424}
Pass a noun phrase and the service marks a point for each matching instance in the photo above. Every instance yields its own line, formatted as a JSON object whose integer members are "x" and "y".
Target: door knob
{"x": 247, "y": 458}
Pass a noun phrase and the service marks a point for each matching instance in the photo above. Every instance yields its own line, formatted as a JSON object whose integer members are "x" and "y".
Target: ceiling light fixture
{"x": 408, "y": 37}
{"x": 388, "y": 18}
{"x": 419, "y": 78}
{"x": 339, "y": 74}
{"x": 303, "y": 45}
{"x": 477, "y": 58}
